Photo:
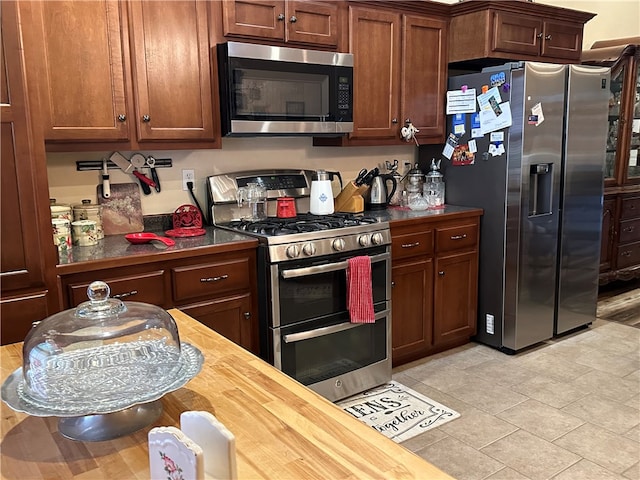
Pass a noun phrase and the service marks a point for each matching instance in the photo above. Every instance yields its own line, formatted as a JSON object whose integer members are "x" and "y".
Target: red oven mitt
{"x": 359, "y": 291}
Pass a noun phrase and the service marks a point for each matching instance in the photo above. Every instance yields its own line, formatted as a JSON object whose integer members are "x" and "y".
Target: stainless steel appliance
{"x": 267, "y": 90}
{"x": 305, "y": 329}
{"x": 542, "y": 198}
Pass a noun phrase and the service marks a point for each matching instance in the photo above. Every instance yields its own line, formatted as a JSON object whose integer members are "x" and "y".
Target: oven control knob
{"x": 309, "y": 249}
{"x": 293, "y": 251}
{"x": 364, "y": 240}
{"x": 338, "y": 244}
{"x": 377, "y": 238}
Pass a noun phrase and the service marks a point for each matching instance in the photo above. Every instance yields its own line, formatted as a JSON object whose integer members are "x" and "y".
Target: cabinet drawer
{"x": 411, "y": 245}
{"x": 628, "y": 255}
{"x": 208, "y": 280}
{"x": 630, "y": 207}
{"x": 629, "y": 230}
{"x": 454, "y": 238}
{"x": 141, "y": 287}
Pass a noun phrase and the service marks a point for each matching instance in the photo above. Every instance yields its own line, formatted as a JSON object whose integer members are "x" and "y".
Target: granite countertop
{"x": 395, "y": 214}
{"x": 117, "y": 249}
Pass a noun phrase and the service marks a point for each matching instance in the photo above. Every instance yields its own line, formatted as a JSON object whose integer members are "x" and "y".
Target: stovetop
{"x": 302, "y": 223}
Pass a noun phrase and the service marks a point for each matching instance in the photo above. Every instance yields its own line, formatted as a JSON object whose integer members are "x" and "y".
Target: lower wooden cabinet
{"x": 434, "y": 284}
{"x": 216, "y": 289}
{"x": 620, "y": 247}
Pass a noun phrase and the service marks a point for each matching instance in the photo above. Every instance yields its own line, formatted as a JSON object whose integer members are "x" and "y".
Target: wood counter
{"x": 282, "y": 429}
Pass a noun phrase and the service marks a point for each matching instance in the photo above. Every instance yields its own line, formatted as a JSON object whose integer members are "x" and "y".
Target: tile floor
{"x": 568, "y": 409}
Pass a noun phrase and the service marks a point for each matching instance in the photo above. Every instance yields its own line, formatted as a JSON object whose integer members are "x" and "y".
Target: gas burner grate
{"x": 302, "y": 223}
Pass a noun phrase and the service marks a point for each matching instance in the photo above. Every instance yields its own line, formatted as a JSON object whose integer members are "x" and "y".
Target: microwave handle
{"x": 319, "y": 332}
{"x": 329, "y": 267}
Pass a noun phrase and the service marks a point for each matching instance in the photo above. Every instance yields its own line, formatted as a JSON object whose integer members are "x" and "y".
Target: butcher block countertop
{"x": 283, "y": 430}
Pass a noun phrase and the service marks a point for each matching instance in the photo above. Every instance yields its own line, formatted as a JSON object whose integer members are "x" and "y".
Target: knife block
{"x": 350, "y": 199}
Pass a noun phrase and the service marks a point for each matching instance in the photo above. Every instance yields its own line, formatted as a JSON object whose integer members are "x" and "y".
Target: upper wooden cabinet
{"x": 133, "y": 72}
{"x": 291, "y": 21}
{"x": 400, "y": 70}
{"x": 515, "y": 30}
{"x": 28, "y": 255}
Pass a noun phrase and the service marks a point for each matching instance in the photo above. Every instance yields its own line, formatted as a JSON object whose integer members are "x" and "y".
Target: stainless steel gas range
{"x": 305, "y": 329}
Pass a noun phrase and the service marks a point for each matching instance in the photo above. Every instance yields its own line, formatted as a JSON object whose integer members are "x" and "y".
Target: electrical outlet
{"x": 188, "y": 176}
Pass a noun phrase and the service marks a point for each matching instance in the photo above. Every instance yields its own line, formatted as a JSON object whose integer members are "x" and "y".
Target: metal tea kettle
{"x": 379, "y": 195}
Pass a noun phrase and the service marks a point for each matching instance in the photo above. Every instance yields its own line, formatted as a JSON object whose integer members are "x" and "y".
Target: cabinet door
{"x": 171, "y": 70}
{"x": 27, "y": 252}
{"x": 455, "y": 297}
{"x": 77, "y": 59}
{"x": 412, "y": 314}
{"x": 312, "y": 22}
{"x": 254, "y": 18}
{"x": 424, "y": 74}
{"x": 562, "y": 40}
{"x": 375, "y": 44}
{"x": 513, "y": 33}
{"x": 231, "y": 317}
{"x": 608, "y": 233}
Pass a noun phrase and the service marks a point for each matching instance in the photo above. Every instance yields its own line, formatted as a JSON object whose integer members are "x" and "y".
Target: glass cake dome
{"x": 102, "y": 357}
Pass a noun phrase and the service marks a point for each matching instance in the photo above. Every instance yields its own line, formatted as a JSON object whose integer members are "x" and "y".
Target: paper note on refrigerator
{"x": 490, "y": 120}
{"x": 459, "y": 101}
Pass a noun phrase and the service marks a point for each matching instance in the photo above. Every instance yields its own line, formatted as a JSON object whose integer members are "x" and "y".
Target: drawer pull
{"x": 214, "y": 279}
{"x": 628, "y": 229}
{"x": 410, "y": 245}
{"x": 459, "y": 237}
{"x": 626, "y": 253}
{"x": 125, "y": 295}
{"x": 247, "y": 315}
{"x": 441, "y": 273}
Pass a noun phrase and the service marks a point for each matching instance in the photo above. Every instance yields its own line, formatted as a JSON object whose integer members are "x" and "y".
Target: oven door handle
{"x": 319, "y": 332}
{"x": 329, "y": 267}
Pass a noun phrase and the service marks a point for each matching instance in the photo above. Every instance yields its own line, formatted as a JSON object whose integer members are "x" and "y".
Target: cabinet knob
{"x": 247, "y": 315}
{"x": 122, "y": 117}
{"x": 441, "y": 273}
{"x": 293, "y": 19}
{"x": 394, "y": 121}
{"x": 146, "y": 118}
{"x": 393, "y": 284}
{"x": 539, "y": 35}
{"x": 281, "y": 17}
{"x": 548, "y": 37}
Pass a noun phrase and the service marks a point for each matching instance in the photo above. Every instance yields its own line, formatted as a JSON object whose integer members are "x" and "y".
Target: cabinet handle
{"x": 459, "y": 237}
{"x": 410, "y": 245}
{"x": 548, "y": 37}
{"x": 394, "y": 121}
{"x": 293, "y": 19}
{"x": 628, "y": 229}
{"x": 626, "y": 253}
{"x": 281, "y": 17}
{"x": 247, "y": 315}
{"x": 441, "y": 273}
{"x": 539, "y": 35}
{"x": 214, "y": 279}
{"x": 146, "y": 118}
{"x": 122, "y": 117}
{"x": 125, "y": 295}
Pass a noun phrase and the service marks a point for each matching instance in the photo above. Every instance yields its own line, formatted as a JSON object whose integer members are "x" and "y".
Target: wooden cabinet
{"x": 399, "y": 75}
{"x": 216, "y": 289}
{"x": 28, "y": 255}
{"x": 435, "y": 284}
{"x": 134, "y": 73}
{"x": 289, "y": 21}
{"x": 499, "y": 31}
{"x": 620, "y": 248}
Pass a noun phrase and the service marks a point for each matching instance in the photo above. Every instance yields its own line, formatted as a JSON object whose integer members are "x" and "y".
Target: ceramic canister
{"x": 61, "y": 233}
{"x": 84, "y": 233}
{"x": 88, "y": 211}
{"x": 60, "y": 210}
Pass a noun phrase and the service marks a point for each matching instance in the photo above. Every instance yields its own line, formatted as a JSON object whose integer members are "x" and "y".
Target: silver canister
{"x": 88, "y": 211}
{"x": 84, "y": 233}
{"x": 60, "y": 210}
{"x": 61, "y": 233}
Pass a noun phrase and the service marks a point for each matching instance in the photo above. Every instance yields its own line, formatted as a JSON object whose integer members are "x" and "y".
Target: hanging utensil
{"x": 106, "y": 189}
{"x": 151, "y": 163}
{"x": 138, "y": 161}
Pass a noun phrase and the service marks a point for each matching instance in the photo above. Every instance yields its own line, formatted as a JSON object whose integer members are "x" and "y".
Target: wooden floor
{"x": 620, "y": 302}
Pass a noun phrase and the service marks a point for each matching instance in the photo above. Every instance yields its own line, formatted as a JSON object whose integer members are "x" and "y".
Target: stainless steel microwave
{"x": 267, "y": 90}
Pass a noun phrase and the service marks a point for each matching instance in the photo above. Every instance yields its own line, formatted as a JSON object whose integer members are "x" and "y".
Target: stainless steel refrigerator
{"x": 540, "y": 183}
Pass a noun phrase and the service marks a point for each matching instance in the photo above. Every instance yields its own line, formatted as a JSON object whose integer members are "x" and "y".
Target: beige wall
{"x": 615, "y": 18}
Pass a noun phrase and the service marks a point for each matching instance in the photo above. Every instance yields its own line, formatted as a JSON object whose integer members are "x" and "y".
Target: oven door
{"x": 315, "y": 288}
{"x": 334, "y": 357}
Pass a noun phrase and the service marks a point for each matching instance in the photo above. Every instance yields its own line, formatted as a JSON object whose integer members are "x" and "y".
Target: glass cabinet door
{"x": 615, "y": 107}
{"x": 633, "y": 167}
